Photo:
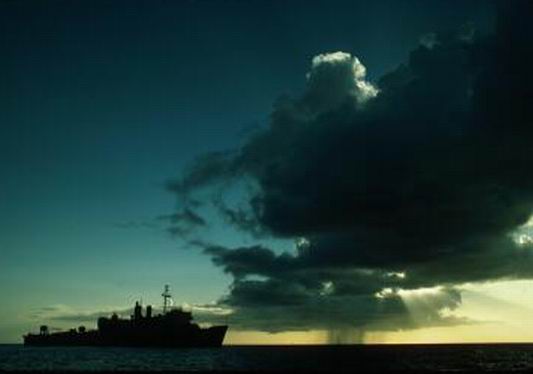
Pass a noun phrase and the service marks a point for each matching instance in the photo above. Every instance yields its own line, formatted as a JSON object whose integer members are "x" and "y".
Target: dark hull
{"x": 208, "y": 337}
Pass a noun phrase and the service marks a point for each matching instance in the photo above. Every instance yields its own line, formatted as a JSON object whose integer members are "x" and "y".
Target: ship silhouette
{"x": 172, "y": 328}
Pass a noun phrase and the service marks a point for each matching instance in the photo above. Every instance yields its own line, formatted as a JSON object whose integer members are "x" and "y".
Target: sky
{"x": 306, "y": 171}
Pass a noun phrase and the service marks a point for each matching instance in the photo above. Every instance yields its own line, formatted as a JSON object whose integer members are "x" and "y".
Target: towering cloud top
{"x": 333, "y": 78}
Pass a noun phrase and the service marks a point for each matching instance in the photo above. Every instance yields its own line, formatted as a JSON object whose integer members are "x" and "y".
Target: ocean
{"x": 352, "y": 358}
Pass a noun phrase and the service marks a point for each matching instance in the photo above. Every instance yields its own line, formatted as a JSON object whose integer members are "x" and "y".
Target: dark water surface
{"x": 383, "y": 358}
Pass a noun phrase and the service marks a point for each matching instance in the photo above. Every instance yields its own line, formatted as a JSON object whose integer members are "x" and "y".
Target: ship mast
{"x": 166, "y": 298}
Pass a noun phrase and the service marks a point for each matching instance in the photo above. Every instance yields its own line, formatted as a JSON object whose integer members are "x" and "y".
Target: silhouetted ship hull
{"x": 171, "y": 329}
{"x": 209, "y": 337}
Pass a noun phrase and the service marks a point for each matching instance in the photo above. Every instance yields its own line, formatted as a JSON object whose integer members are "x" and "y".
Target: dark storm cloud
{"x": 287, "y": 292}
{"x": 276, "y": 306}
{"x": 417, "y": 181}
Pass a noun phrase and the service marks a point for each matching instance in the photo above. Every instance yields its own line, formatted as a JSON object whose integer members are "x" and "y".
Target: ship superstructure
{"x": 172, "y": 328}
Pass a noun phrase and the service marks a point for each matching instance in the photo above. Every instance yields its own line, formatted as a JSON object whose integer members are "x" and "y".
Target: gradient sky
{"x": 102, "y": 102}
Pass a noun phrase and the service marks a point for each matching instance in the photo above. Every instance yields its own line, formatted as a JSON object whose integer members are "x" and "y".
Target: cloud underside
{"x": 418, "y": 181}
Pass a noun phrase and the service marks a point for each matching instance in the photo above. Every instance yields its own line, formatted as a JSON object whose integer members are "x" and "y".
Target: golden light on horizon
{"x": 244, "y": 337}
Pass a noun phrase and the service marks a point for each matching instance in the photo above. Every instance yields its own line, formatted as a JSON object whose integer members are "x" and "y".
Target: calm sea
{"x": 410, "y": 358}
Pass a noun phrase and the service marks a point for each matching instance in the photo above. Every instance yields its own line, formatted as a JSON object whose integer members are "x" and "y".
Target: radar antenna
{"x": 167, "y": 298}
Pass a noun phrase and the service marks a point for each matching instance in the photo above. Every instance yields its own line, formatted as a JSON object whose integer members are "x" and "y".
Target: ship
{"x": 173, "y": 328}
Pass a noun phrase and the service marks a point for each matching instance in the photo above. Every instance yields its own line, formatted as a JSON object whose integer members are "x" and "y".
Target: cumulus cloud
{"x": 334, "y": 78}
{"x": 426, "y": 173}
